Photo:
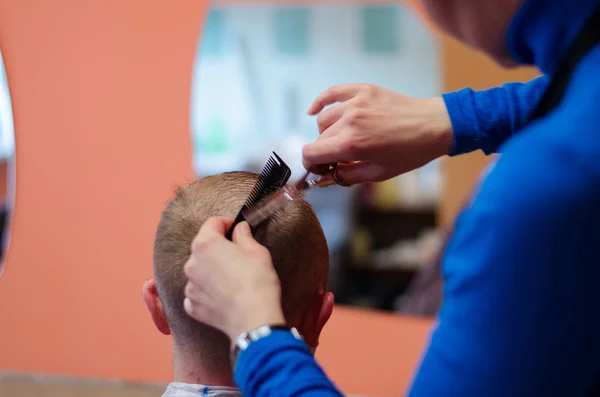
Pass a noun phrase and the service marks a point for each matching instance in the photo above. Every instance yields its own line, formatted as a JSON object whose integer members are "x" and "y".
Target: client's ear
{"x": 155, "y": 306}
{"x": 318, "y": 314}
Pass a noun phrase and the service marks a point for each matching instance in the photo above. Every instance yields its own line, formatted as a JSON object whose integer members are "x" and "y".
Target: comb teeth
{"x": 262, "y": 183}
{"x": 274, "y": 175}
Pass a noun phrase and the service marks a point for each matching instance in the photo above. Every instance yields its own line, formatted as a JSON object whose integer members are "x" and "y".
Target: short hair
{"x": 294, "y": 238}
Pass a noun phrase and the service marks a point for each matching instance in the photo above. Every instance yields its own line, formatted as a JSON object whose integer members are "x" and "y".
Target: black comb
{"x": 274, "y": 175}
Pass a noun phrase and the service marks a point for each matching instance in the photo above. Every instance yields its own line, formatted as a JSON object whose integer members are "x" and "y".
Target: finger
{"x": 212, "y": 233}
{"x": 323, "y": 151}
{"x": 188, "y": 306}
{"x": 328, "y": 117}
{"x": 242, "y": 236}
{"x": 195, "y": 310}
{"x": 359, "y": 172}
{"x": 217, "y": 225}
{"x": 328, "y": 176}
{"x": 192, "y": 291}
{"x": 334, "y": 94}
{"x": 319, "y": 169}
{"x": 190, "y": 269}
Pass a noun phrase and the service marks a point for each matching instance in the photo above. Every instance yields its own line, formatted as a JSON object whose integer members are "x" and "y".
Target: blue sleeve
{"x": 485, "y": 119}
{"x": 280, "y": 366}
{"x": 519, "y": 316}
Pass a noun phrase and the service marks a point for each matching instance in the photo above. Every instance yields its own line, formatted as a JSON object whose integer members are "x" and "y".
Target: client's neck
{"x": 189, "y": 367}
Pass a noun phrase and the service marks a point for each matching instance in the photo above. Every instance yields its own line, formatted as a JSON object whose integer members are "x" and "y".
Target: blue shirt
{"x": 522, "y": 271}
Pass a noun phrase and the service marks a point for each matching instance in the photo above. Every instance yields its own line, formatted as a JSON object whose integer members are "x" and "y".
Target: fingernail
{"x": 245, "y": 228}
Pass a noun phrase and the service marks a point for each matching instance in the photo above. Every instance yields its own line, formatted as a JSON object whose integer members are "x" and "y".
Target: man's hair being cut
{"x": 294, "y": 238}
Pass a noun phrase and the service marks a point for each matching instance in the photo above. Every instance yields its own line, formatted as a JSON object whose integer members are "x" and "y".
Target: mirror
{"x": 258, "y": 68}
{"x": 7, "y": 170}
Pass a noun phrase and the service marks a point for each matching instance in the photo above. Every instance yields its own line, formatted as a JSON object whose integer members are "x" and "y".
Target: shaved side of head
{"x": 294, "y": 238}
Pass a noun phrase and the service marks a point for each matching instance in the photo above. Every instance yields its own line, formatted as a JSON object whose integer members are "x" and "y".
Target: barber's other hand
{"x": 384, "y": 133}
{"x": 232, "y": 284}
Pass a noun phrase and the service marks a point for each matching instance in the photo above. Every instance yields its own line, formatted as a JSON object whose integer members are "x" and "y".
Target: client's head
{"x": 293, "y": 237}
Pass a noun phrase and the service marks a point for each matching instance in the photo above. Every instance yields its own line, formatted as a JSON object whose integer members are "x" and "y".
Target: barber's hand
{"x": 232, "y": 284}
{"x": 384, "y": 133}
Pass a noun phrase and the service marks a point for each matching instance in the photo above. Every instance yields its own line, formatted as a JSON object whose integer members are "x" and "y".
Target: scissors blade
{"x": 302, "y": 183}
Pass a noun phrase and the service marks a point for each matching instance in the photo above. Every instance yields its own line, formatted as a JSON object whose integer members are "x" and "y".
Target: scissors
{"x": 333, "y": 179}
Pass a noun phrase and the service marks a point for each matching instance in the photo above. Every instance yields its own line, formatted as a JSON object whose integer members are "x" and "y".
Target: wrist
{"x": 245, "y": 340}
{"x": 440, "y": 126}
{"x": 252, "y": 319}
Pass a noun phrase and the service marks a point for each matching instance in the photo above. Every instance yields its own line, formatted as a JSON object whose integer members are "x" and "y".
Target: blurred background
{"x": 259, "y": 67}
{"x": 113, "y": 104}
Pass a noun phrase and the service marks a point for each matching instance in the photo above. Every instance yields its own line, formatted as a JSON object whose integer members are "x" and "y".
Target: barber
{"x": 522, "y": 270}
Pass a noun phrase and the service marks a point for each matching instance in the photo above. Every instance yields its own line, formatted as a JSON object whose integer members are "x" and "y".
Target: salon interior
{"x": 106, "y": 107}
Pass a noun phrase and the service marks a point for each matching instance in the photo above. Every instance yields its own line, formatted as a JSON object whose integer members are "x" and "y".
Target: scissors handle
{"x": 327, "y": 179}
{"x": 306, "y": 182}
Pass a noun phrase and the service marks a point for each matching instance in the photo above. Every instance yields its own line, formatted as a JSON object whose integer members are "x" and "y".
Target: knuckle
{"x": 354, "y": 115}
{"x": 368, "y": 90}
{"x": 361, "y": 100}
{"x": 200, "y": 243}
{"x": 188, "y": 268}
{"x": 193, "y": 310}
{"x": 321, "y": 118}
{"x": 189, "y": 306}
{"x": 189, "y": 291}
{"x": 307, "y": 152}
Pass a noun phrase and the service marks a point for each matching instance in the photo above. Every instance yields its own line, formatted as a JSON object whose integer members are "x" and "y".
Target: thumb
{"x": 357, "y": 172}
{"x": 242, "y": 236}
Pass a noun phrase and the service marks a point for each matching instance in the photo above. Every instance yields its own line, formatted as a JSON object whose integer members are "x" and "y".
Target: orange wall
{"x": 372, "y": 353}
{"x": 100, "y": 91}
